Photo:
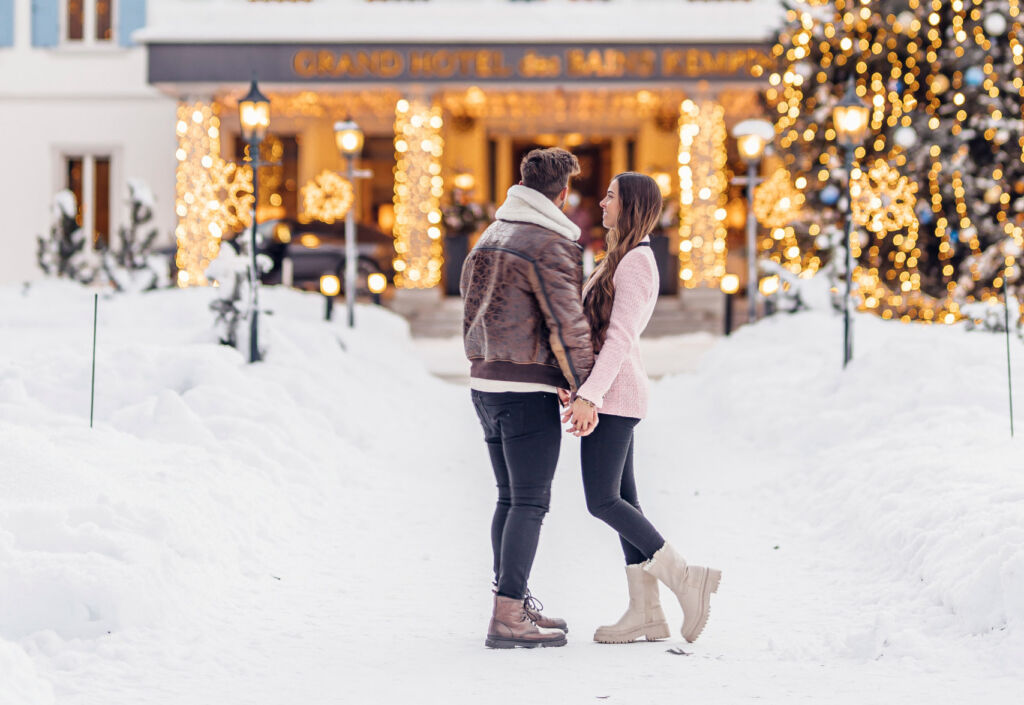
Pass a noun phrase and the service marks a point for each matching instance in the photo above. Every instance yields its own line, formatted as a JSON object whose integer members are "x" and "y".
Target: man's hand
{"x": 564, "y": 398}
{"x": 582, "y": 416}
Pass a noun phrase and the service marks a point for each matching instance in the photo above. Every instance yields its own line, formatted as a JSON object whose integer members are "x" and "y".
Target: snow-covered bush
{"x": 131, "y": 266}
{"x": 230, "y": 274}
{"x": 63, "y": 253}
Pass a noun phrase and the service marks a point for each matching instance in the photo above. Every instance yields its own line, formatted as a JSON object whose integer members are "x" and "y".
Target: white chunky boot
{"x": 692, "y": 584}
{"x": 643, "y": 617}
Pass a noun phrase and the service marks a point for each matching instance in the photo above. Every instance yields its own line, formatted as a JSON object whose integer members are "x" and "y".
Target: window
{"x": 89, "y": 21}
{"x": 88, "y": 177}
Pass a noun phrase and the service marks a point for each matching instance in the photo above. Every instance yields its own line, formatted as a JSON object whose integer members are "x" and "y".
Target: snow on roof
{"x": 620, "y": 21}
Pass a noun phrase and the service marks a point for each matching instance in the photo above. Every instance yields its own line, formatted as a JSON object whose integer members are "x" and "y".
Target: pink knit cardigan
{"x": 618, "y": 384}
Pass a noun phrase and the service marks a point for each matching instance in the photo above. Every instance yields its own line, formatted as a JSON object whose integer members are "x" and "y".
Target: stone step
{"x": 431, "y": 315}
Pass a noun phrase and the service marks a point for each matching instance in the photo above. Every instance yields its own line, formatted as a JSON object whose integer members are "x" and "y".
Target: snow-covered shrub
{"x": 63, "y": 252}
{"x": 131, "y": 266}
{"x": 230, "y": 274}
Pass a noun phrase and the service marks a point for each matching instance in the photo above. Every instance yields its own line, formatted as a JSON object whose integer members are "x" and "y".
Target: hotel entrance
{"x": 443, "y": 151}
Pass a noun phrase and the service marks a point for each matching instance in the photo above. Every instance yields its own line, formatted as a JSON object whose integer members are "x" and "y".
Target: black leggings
{"x": 523, "y": 435}
{"x": 610, "y": 488}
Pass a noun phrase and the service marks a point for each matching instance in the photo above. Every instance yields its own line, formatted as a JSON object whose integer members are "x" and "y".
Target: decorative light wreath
{"x": 327, "y": 197}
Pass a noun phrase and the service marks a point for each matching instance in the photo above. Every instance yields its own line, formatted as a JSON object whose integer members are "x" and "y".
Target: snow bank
{"x": 201, "y": 472}
{"x": 904, "y": 458}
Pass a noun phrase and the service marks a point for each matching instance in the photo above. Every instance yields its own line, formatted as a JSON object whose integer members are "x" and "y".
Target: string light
{"x": 703, "y": 194}
{"x": 419, "y": 187}
{"x": 213, "y": 197}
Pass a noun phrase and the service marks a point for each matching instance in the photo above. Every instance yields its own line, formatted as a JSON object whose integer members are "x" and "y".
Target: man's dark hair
{"x": 549, "y": 170}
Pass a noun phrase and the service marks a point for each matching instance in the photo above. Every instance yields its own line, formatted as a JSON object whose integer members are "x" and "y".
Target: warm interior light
{"x": 664, "y": 181}
{"x": 330, "y": 285}
{"x": 464, "y": 181}
{"x": 377, "y": 283}
{"x": 730, "y": 284}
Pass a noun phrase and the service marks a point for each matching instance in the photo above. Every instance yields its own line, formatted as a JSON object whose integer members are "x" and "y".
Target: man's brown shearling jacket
{"x": 523, "y": 316}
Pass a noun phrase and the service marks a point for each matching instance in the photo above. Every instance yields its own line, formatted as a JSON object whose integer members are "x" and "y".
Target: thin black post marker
{"x": 92, "y": 391}
{"x": 1009, "y": 377}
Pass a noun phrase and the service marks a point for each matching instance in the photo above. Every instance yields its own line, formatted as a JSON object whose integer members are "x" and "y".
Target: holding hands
{"x": 579, "y": 413}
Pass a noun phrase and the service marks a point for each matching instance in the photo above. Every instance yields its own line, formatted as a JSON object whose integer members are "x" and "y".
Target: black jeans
{"x": 610, "y": 488}
{"x": 523, "y": 434}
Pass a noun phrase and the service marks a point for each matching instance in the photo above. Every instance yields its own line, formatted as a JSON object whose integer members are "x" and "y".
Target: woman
{"x": 618, "y": 300}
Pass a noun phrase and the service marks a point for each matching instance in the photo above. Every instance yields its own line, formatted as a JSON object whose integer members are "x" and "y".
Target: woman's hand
{"x": 582, "y": 416}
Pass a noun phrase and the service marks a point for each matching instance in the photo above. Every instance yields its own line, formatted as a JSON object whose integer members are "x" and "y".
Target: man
{"x": 526, "y": 337}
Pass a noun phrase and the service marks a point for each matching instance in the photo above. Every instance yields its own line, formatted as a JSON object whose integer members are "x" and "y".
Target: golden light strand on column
{"x": 703, "y": 184}
{"x": 213, "y": 197}
{"x": 419, "y": 187}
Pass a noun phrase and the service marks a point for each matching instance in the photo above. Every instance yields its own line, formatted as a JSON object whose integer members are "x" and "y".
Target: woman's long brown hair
{"x": 639, "y": 210}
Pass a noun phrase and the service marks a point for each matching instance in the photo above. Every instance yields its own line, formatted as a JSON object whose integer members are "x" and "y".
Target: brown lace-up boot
{"x": 534, "y": 607}
{"x": 511, "y": 626}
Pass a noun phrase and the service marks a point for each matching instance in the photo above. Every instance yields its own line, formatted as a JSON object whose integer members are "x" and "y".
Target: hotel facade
{"x": 449, "y": 93}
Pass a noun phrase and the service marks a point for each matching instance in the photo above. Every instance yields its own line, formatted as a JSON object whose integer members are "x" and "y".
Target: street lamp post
{"x": 254, "y": 117}
{"x": 349, "y": 139}
{"x": 752, "y": 136}
{"x": 850, "y": 120}
{"x": 730, "y": 285}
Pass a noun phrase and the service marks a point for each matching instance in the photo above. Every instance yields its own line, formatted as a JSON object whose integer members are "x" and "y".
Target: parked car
{"x": 318, "y": 248}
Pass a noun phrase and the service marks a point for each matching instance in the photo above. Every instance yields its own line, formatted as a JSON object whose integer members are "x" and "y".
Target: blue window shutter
{"x": 131, "y": 16}
{"x": 6, "y": 23}
{"x": 45, "y": 23}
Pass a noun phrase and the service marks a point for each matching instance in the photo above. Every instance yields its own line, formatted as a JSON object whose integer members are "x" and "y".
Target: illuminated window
{"x": 89, "y": 21}
{"x": 88, "y": 177}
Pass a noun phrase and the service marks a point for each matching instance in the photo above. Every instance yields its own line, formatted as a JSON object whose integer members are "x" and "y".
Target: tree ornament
{"x": 940, "y": 84}
{"x": 830, "y": 194}
{"x": 1002, "y": 136}
{"x": 974, "y": 76}
{"x": 905, "y": 18}
{"x": 905, "y": 137}
{"x": 992, "y": 194}
{"x": 995, "y": 24}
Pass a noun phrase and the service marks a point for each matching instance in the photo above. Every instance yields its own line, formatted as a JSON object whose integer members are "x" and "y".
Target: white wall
{"x": 85, "y": 98}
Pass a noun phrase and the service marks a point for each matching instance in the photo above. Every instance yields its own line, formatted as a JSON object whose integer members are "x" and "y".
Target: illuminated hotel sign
{"x": 326, "y": 63}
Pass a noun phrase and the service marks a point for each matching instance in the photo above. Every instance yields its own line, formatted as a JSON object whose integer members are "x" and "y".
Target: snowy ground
{"x": 313, "y": 529}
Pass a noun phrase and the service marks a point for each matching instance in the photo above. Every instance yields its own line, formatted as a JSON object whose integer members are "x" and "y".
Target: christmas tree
{"x": 938, "y": 190}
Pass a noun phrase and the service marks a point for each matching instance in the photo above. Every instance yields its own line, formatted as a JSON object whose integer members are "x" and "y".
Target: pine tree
{"x": 939, "y": 188}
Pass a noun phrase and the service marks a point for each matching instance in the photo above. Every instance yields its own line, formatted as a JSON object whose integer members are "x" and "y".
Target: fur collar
{"x": 524, "y": 205}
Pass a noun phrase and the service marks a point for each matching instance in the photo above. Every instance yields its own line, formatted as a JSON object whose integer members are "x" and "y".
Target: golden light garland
{"x": 419, "y": 187}
{"x": 777, "y": 202}
{"x": 327, "y": 197}
{"x": 703, "y": 186}
{"x": 883, "y": 199}
{"x": 213, "y": 197}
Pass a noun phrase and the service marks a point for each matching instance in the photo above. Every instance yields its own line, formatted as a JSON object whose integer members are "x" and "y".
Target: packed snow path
{"x": 314, "y": 529}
